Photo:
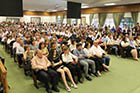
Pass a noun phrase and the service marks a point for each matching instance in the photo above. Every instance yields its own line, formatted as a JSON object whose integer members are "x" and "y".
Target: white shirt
{"x": 62, "y": 33}
{"x": 68, "y": 58}
{"x": 19, "y": 50}
{"x": 124, "y": 43}
{"x": 10, "y": 40}
{"x": 98, "y": 50}
{"x": 72, "y": 47}
{"x": 89, "y": 51}
{"x": 15, "y": 44}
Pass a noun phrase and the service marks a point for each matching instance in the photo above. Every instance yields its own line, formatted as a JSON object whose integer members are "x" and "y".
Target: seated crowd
{"x": 67, "y": 51}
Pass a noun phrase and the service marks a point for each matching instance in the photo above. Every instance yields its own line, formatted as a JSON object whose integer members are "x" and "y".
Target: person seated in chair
{"x": 43, "y": 49}
{"x": 59, "y": 67}
{"x": 28, "y": 55}
{"x": 129, "y": 47}
{"x": 84, "y": 61}
{"x": 91, "y": 55}
{"x": 44, "y": 73}
{"x": 133, "y": 47}
{"x": 101, "y": 55}
{"x": 71, "y": 61}
{"x": 19, "y": 51}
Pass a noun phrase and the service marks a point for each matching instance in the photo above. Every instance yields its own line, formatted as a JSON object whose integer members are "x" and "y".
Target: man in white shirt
{"x": 101, "y": 54}
{"x": 71, "y": 61}
{"x": 19, "y": 52}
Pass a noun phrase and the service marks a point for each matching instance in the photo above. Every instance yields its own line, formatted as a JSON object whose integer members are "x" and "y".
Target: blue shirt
{"x": 132, "y": 43}
{"x": 104, "y": 39}
{"x": 76, "y": 52}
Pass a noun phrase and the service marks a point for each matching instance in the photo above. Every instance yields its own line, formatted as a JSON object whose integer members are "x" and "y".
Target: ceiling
{"x": 59, "y": 5}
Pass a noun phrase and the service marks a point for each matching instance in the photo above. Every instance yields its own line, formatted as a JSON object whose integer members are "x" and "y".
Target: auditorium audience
{"x": 70, "y": 48}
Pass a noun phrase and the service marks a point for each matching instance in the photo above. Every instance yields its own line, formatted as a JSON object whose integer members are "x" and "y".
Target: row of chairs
{"x": 9, "y": 49}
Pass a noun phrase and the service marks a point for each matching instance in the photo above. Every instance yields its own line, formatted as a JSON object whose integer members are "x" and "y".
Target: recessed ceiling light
{"x": 31, "y": 10}
{"x": 85, "y": 6}
{"x": 109, "y": 4}
{"x": 54, "y": 10}
{"x": 65, "y": 8}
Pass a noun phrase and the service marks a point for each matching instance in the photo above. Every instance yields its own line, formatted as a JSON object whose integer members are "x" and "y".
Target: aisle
{"x": 124, "y": 77}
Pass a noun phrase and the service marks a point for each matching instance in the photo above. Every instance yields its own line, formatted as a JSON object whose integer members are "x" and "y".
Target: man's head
{"x": 95, "y": 43}
{"x": 39, "y": 53}
{"x": 79, "y": 46}
{"x": 66, "y": 50}
{"x": 21, "y": 42}
{"x": 18, "y": 39}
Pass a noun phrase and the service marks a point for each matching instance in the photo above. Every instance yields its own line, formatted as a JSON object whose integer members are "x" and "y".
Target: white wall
{"x": 2, "y": 19}
{"x": 27, "y": 18}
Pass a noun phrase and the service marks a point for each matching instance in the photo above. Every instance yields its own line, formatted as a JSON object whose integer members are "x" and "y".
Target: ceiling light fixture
{"x": 65, "y": 8}
{"x": 31, "y": 10}
{"x": 54, "y": 10}
{"x": 85, "y": 6}
{"x": 109, "y": 4}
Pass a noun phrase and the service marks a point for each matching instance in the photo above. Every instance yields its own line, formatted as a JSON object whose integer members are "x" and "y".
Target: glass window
{"x": 58, "y": 20}
{"x": 95, "y": 20}
{"x": 109, "y": 20}
{"x": 65, "y": 21}
{"x": 127, "y": 22}
{"x": 73, "y": 21}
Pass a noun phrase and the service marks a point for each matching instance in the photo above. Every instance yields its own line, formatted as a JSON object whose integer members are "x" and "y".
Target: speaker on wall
{"x": 73, "y": 10}
{"x": 11, "y": 8}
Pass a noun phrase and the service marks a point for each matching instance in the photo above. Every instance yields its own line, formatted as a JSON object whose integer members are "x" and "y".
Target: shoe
{"x": 99, "y": 74}
{"x": 26, "y": 74}
{"x": 74, "y": 86}
{"x": 68, "y": 89}
{"x": 95, "y": 74}
{"x": 76, "y": 82}
{"x": 19, "y": 66}
{"x": 81, "y": 81}
{"x": 55, "y": 89}
{"x": 88, "y": 78}
{"x": 48, "y": 91}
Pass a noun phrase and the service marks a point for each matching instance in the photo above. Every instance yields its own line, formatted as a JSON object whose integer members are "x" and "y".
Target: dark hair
{"x": 51, "y": 53}
{"x": 86, "y": 45}
{"x": 52, "y": 43}
{"x": 78, "y": 44}
{"x": 72, "y": 41}
{"x": 98, "y": 36}
{"x": 124, "y": 39}
{"x": 41, "y": 45}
